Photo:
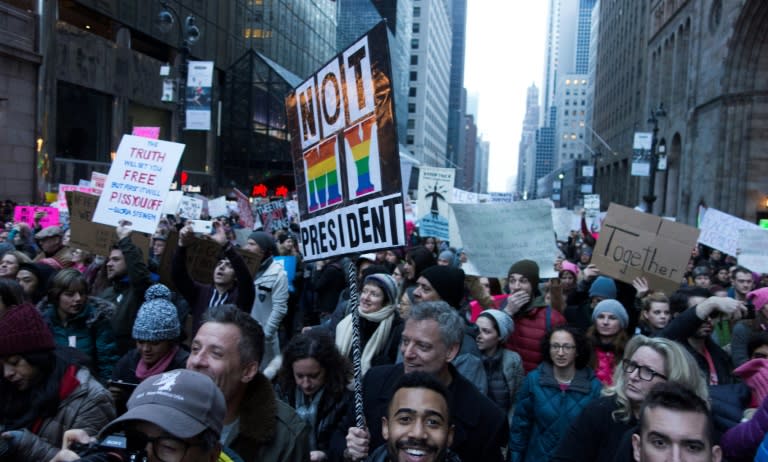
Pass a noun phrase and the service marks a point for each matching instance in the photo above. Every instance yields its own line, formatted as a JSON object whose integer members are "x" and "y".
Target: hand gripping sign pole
{"x": 356, "y": 351}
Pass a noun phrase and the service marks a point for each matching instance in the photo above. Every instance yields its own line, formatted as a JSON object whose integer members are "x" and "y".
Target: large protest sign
{"x": 497, "y": 235}
{"x": 244, "y": 210}
{"x": 26, "y": 214}
{"x": 435, "y": 190}
{"x": 138, "y": 182}
{"x": 218, "y": 207}
{"x": 753, "y": 249}
{"x": 721, "y": 231}
{"x": 345, "y": 153}
{"x": 273, "y": 215}
{"x": 93, "y": 237}
{"x": 634, "y": 244}
{"x": 202, "y": 257}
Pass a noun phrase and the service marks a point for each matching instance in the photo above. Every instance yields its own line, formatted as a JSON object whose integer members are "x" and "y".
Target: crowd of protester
{"x": 579, "y": 367}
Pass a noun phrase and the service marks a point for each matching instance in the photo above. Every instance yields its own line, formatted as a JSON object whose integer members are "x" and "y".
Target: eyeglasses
{"x": 164, "y": 448}
{"x": 557, "y": 347}
{"x": 644, "y": 372}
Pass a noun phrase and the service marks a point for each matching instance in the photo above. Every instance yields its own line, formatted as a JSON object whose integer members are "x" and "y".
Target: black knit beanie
{"x": 448, "y": 281}
{"x": 529, "y": 269}
{"x": 422, "y": 259}
{"x": 266, "y": 243}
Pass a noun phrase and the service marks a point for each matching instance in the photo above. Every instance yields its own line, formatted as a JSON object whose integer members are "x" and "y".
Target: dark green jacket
{"x": 91, "y": 331}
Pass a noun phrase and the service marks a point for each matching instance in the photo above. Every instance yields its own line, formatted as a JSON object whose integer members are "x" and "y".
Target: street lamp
{"x": 656, "y": 114}
{"x": 189, "y": 34}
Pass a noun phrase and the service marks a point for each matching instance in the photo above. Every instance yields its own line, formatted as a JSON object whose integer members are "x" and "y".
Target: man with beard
{"x": 229, "y": 347}
{"x": 693, "y": 329}
{"x": 418, "y": 422}
{"x": 430, "y": 341}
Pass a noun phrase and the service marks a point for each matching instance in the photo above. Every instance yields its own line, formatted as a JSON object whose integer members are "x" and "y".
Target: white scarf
{"x": 384, "y": 317}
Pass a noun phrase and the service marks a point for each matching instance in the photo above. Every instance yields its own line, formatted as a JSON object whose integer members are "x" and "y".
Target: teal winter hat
{"x": 613, "y": 307}
{"x": 603, "y": 287}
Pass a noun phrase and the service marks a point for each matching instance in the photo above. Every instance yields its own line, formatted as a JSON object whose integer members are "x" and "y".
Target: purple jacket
{"x": 741, "y": 442}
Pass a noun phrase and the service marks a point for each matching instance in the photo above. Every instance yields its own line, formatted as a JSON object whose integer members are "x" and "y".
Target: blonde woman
{"x": 596, "y": 435}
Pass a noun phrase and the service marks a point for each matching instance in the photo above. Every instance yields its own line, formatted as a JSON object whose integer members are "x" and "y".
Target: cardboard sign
{"x": 203, "y": 256}
{"x": 138, "y": 182}
{"x": 633, "y": 244}
{"x": 273, "y": 215}
{"x": 435, "y": 190}
{"x": 721, "y": 231}
{"x": 753, "y": 249}
{"x": 190, "y": 208}
{"x": 497, "y": 235}
{"x": 64, "y": 188}
{"x": 345, "y": 153}
{"x": 26, "y": 214}
{"x": 244, "y": 210}
{"x": 95, "y": 238}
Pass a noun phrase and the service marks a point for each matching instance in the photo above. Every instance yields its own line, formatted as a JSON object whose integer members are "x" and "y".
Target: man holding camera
{"x": 176, "y": 416}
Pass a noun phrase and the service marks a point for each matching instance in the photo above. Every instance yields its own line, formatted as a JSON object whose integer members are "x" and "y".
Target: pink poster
{"x": 245, "y": 212}
{"x": 147, "y": 132}
{"x": 63, "y": 188}
{"x": 26, "y": 214}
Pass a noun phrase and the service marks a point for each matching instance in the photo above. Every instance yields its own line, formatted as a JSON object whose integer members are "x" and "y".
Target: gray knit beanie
{"x": 386, "y": 283}
{"x": 613, "y": 307}
{"x": 504, "y": 323}
{"x": 157, "y": 318}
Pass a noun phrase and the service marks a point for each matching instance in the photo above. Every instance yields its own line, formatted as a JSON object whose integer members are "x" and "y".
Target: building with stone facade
{"x": 707, "y": 62}
{"x": 87, "y": 71}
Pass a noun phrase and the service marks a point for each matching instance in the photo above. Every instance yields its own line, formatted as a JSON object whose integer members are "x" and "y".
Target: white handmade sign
{"x": 138, "y": 182}
{"x": 190, "y": 208}
{"x": 720, "y": 230}
{"x": 497, "y": 235}
{"x": 753, "y": 249}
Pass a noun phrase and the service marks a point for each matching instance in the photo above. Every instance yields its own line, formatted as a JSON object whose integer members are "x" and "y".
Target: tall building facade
{"x": 428, "y": 95}
{"x": 356, "y": 17}
{"x": 457, "y": 96}
{"x": 466, "y": 171}
{"x": 526, "y": 157}
{"x": 707, "y": 62}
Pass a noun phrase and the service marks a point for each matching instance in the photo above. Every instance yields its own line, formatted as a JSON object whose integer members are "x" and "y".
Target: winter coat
{"x": 91, "y": 331}
{"x": 530, "y": 327}
{"x": 125, "y": 371}
{"x": 594, "y": 435}
{"x": 684, "y": 326}
{"x": 741, "y": 442}
{"x": 481, "y": 428}
{"x": 127, "y": 294}
{"x": 242, "y": 293}
{"x": 330, "y": 412}
{"x": 88, "y": 407}
{"x": 63, "y": 256}
{"x": 270, "y": 305}
{"x": 270, "y": 430}
{"x": 728, "y": 404}
{"x": 504, "y": 371}
{"x": 543, "y": 411}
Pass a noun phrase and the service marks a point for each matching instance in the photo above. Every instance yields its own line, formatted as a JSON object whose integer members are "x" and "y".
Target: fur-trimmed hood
{"x": 258, "y": 411}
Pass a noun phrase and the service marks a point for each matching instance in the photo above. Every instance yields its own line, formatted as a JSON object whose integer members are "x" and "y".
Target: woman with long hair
{"x": 598, "y": 432}
{"x": 10, "y": 295}
{"x": 80, "y": 321}
{"x": 553, "y": 395}
{"x": 313, "y": 379}
{"x": 44, "y": 390}
{"x": 609, "y": 319}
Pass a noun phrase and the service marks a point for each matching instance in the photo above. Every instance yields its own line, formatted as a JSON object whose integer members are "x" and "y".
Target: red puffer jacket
{"x": 530, "y": 328}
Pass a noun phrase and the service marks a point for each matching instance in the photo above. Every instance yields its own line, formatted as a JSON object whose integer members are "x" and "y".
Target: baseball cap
{"x": 182, "y": 402}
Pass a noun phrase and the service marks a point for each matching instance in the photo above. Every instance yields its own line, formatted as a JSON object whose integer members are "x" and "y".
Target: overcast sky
{"x": 504, "y": 56}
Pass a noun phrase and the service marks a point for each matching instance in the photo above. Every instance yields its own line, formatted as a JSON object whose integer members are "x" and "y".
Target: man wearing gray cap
{"x": 176, "y": 416}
